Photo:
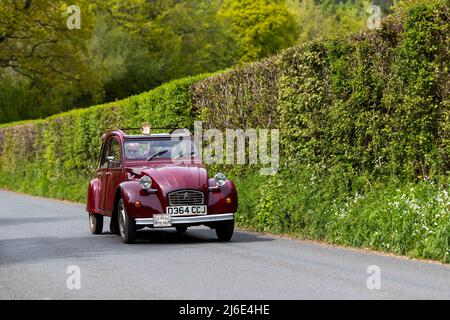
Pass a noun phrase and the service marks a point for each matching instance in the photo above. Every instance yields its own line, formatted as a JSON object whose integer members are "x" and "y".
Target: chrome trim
{"x": 213, "y": 188}
{"x": 182, "y": 201}
{"x": 189, "y": 219}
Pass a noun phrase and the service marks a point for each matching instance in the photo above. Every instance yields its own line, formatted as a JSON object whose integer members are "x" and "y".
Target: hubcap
{"x": 91, "y": 221}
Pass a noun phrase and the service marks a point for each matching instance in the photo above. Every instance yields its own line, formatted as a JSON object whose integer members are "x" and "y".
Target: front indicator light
{"x": 228, "y": 200}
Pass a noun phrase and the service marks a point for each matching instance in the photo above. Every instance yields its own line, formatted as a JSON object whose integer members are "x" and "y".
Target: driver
{"x": 132, "y": 150}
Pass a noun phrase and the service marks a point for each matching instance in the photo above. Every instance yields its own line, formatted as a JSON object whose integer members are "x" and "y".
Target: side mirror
{"x": 110, "y": 159}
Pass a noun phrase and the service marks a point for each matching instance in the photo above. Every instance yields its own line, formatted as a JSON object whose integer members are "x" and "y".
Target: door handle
{"x": 108, "y": 173}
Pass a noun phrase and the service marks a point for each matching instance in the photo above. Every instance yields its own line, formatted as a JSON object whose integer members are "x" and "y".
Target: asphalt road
{"x": 40, "y": 239}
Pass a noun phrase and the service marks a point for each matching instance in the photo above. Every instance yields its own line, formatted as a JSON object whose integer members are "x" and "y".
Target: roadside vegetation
{"x": 365, "y": 134}
{"x": 126, "y": 47}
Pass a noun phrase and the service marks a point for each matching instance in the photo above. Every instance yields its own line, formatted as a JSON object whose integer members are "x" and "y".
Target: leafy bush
{"x": 243, "y": 97}
{"x": 262, "y": 26}
{"x": 376, "y": 102}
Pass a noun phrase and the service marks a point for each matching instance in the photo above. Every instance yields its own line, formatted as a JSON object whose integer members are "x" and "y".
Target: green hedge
{"x": 365, "y": 128}
{"x": 377, "y": 102}
{"x": 364, "y": 123}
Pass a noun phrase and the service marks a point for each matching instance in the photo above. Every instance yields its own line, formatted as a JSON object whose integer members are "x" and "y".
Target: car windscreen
{"x": 159, "y": 148}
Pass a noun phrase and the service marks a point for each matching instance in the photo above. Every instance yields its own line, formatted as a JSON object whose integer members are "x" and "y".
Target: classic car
{"x": 157, "y": 180}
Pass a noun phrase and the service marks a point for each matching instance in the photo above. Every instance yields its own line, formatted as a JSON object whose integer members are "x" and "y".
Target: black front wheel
{"x": 224, "y": 230}
{"x": 96, "y": 223}
{"x": 127, "y": 226}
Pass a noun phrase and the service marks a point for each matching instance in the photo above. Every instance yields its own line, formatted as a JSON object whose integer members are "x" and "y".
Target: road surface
{"x": 41, "y": 239}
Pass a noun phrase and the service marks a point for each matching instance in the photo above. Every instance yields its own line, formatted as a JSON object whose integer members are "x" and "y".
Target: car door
{"x": 114, "y": 173}
{"x": 102, "y": 173}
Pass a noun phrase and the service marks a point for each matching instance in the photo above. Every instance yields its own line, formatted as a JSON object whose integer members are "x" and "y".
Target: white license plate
{"x": 162, "y": 220}
{"x": 186, "y": 210}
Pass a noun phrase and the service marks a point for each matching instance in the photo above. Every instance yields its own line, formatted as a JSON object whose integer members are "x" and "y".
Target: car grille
{"x": 186, "y": 198}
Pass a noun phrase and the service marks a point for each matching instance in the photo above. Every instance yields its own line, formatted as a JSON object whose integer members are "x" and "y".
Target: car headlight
{"x": 220, "y": 179}
{"x": 145, "y": 182}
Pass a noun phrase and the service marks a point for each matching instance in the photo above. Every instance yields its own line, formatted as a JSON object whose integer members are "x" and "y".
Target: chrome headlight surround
{"x": 145, "y": 182}
{"x": 220, "y": 179}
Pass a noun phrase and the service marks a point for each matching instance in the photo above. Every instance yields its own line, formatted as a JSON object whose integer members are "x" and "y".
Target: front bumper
{"x": 186, "y": 220}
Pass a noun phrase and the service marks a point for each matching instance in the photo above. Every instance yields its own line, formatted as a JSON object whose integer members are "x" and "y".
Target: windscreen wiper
{"x": 157, "y": 154}
{"x": 184, "y": 155}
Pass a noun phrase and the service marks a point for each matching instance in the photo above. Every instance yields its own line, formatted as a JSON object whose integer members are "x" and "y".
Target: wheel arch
{"x": 93, "y": 196}
{"x": 118, "y": 194}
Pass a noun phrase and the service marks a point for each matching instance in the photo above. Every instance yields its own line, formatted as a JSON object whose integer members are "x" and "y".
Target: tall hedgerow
{"x": 364, "y": 123}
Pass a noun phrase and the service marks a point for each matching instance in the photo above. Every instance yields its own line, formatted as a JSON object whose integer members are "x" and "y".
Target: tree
{"x": 328, "y": 18}
{"x": 38, "y": 51}
{"x": 263, "y": 27}
{"x": 35, "y": 41}
{"x": 138, "y": 44}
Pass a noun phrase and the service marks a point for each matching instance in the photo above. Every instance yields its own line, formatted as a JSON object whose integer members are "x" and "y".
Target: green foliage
{"x": 36, "y": 43}
{"x": 263, "y": 27}
{"x": 308, "y": 202}
{"x": 125, "y": 47}
{"x": 359, "y": 118}
{"x": 15, "y": 103}
{"x": 38, "y": 52}
{"x": 140, "y": 45}
{"x": 41, "y": 60}
{"x": 328, "y": 18}
{"x": 247, "y": 100}
{"x": 377, "y": 102}
{"x": 411, "y": 219}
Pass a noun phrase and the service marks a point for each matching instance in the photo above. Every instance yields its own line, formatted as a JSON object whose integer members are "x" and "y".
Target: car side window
{"x": 105, "y": 153}
{"x": 115, "y": 152}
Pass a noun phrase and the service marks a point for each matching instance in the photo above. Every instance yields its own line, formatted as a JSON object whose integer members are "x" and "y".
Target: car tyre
{"x": 224, "y": 230}
{"x": 127, "y": 226}
{"x": 114, "y": 226}
{"x": 96, "y": 223}
{"x": 181, "y": 229}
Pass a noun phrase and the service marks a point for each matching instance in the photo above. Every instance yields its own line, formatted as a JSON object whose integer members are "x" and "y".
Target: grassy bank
{"x": 410, "y": 219}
